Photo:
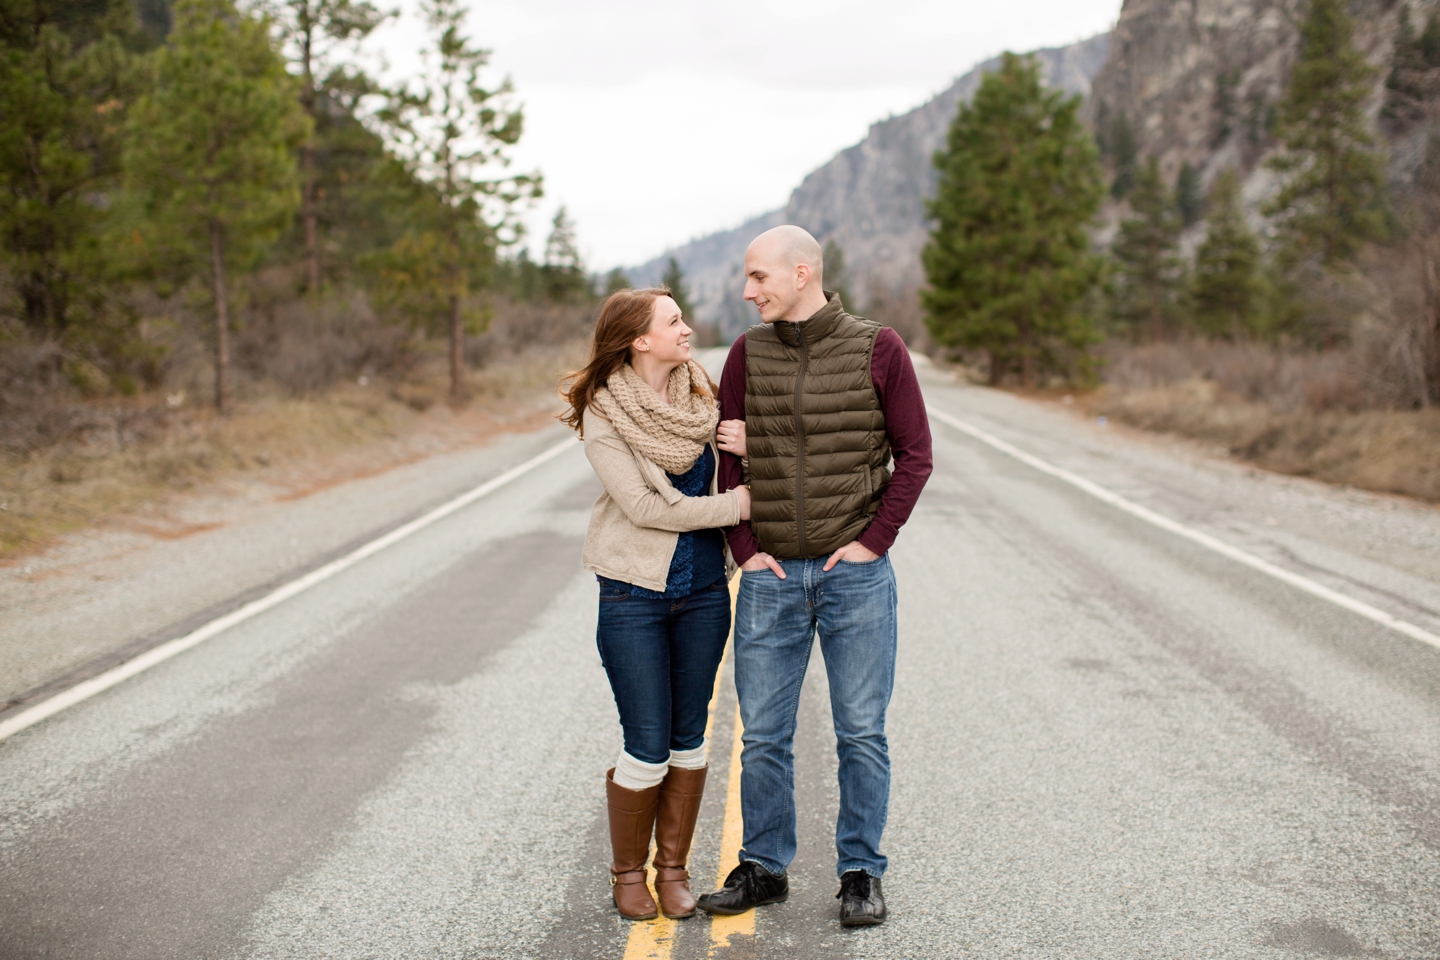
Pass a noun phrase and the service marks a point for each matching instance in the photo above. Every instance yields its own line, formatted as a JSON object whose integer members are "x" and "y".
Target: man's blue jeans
{"x": 853, "y": 608}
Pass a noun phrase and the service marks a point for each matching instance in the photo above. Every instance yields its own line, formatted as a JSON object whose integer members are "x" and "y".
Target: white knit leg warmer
{"x": 688, "y": 759}
{"x": 635, "y": 774}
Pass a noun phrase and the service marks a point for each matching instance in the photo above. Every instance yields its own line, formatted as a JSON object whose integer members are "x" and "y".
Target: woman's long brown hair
{"x": 624, "y": 317}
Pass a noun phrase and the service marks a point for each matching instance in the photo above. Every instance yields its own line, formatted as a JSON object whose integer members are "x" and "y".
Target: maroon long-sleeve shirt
{"x": 905, "y": 422}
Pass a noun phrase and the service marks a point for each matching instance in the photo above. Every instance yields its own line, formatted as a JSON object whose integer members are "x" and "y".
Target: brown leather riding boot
{"x": 632, "y": 816}
{"x": 680, "y": 794}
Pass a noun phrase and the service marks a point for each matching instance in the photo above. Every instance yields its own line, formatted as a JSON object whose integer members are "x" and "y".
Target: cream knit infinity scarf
{"x": 672, "y": 434}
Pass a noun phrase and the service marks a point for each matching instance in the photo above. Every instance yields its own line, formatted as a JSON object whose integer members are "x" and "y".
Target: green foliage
{"x": 453, "y": 131}
{"x": 312, "y": 33}
{"x": 1188, "y": 202}
{"x": 1149, "y": 274}
{"x": 564, "y": 270}
{"x": 1009, "y": 257}
{"x": 675, "y": 279}
{"x": 1227, "y": 291}
{"x": 65, "y": 83}
{"x": 1408, "y": 82}
{"x": 1124, "y": 155}
{"x": 616, "y": 280}
{"x": 1224, "y": 105}
{"x": 1330, "y": 201}
{"x": 836, "y": 277}
{"x": 210, "y": 150}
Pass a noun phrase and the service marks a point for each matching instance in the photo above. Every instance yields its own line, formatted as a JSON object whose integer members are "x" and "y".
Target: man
{"x": 826, "y": 399}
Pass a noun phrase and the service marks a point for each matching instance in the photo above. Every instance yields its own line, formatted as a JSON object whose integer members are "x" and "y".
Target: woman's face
{"x": 668, "y": 339}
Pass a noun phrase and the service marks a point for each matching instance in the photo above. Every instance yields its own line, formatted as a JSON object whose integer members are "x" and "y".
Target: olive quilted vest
{"x": 814, "y": 432}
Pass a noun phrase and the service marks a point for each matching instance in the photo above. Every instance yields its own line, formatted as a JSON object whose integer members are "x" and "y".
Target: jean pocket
{"x": 612, "y": 591}
{"x": 862, "y": 563}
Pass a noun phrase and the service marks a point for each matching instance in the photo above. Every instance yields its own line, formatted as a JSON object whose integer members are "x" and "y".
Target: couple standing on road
{"x": 791, "y": 457}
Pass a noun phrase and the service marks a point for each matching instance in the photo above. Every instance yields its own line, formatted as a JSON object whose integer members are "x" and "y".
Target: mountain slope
{"x": 870, "y": 199}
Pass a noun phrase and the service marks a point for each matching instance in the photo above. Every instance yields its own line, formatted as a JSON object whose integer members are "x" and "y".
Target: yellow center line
{"x": 655, "y": 939}
{"x": 723, "y": 928}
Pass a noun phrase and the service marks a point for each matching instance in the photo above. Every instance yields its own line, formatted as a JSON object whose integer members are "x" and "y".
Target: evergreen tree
{"x": 564, "y": 270}
{"x": 210, "y": 148}
{"x": 1009, "y": 257}
{"x": 1226, "y": 82}
{"x": 65, "y": 84}
{"x": 1149, "y": 273}
{"x": 453, "y": 130}
{"x": 1122, "y": 150}
{"x": 675, "y": 279}
{"x": 314, "y": 33}
{"x": 1330, "y": 199}
{"x": 1187, "y": 195}
{"x": 616, "y": 280}
{"x": 834, "y": 274}
{"x": 1226, "y": 290}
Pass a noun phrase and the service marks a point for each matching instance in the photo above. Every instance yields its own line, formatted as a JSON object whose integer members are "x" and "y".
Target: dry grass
{"x": 1298, "y": 413}
{"x": 141, "y": 450}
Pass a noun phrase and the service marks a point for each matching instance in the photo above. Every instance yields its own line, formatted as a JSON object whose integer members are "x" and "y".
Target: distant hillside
{"x": 869, "y": 200}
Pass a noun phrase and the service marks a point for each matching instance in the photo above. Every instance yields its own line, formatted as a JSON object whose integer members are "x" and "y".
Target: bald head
{"x": 784, "y": 271}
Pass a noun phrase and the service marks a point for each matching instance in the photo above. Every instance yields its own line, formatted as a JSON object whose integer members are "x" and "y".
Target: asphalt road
{"x": 1108, "y": 741}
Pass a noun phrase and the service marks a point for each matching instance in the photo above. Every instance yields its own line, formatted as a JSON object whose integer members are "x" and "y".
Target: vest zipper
{"x": 800, "y": 440}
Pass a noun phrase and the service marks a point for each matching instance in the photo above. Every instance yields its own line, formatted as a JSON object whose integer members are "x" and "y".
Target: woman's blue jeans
{"x": 853, "y": 608}
{"x": 661, "y": 657}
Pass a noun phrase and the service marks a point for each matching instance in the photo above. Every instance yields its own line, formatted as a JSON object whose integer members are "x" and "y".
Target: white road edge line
{"x": 88, "y": 688}
{"x": 1204, "y": 539}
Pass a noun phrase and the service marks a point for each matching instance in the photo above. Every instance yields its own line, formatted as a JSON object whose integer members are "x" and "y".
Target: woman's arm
{"x": 615, "y": 465}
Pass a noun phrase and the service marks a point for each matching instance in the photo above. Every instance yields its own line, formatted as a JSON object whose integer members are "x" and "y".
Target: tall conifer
{"x": 211, "y": 148}
{"x": 1226, "y": 289}
{"x": 454, "y": 130}
{"x": 1009, "y": 256}
{"x": 1149, "y": 272}
{"x": 1330, "y": 199}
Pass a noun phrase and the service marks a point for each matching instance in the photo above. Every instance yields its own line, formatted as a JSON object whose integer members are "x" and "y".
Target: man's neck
{"x": 807, "y": 307}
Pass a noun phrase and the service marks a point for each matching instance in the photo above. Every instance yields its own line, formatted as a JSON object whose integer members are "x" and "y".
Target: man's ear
{"x": 802, "y": 275}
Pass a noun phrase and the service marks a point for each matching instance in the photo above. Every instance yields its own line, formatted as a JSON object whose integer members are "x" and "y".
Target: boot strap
{"x": 671, "y": 874}
{"x": 628, "y": 877}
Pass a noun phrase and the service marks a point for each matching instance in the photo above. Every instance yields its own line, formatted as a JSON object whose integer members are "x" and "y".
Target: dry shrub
{"x": 1301, "y": 412}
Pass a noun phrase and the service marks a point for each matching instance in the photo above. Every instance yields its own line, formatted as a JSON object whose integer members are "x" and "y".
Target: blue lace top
{"x": 699, "y": 558}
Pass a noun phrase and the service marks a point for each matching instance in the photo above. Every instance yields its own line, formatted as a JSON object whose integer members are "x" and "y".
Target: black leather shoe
{"x": 749, "y": 885}
{"x": 861, "y": 903}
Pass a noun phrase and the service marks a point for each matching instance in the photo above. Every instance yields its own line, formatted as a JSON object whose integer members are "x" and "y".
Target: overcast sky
{"x": 655, "y": 121}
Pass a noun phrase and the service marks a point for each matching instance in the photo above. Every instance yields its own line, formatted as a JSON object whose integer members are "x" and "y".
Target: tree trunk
{"x": 997, "y": 369}
{"x": 457, "y": 351}
{"x": 308, "y": 214}
{"x": 1027, "y": 360}
{"x": 222, "y": 319}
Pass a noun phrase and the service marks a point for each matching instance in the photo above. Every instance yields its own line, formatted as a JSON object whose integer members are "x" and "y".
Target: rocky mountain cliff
{"x": 1198, "y": 80}
{"x": 869, "y": 200}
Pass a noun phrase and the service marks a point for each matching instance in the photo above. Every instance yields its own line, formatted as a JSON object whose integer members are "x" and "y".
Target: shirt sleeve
{"x": 908, "y": 428}
{"x": 743, "y": 544}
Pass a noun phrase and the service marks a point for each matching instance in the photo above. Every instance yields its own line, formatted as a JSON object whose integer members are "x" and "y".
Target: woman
{"x": 647, "y": 413}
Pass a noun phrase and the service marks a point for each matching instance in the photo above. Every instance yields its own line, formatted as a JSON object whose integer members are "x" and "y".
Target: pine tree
{"x": 1187, "y": 195}
{"x": 314, "y": 33}
{"x": 1226, "y": 290}
{"x": 1009, "y": 257}
{"x": 1330, "y": 199}
{"x": 1123, "y": 151}
{"x": 65, "y": 84}
{"x": 564, "y": 270}
{"x": 1149, "y": 273}
{"x": 452, "y": 130}
{"x": 834, "y": 274}
{"x": 675, "y": 279}
{"x": 615, "y": 281}
{"x": 211, "y": 148}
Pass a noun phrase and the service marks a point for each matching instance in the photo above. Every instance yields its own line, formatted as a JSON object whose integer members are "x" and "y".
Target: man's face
{"x": 770, "y": 282}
